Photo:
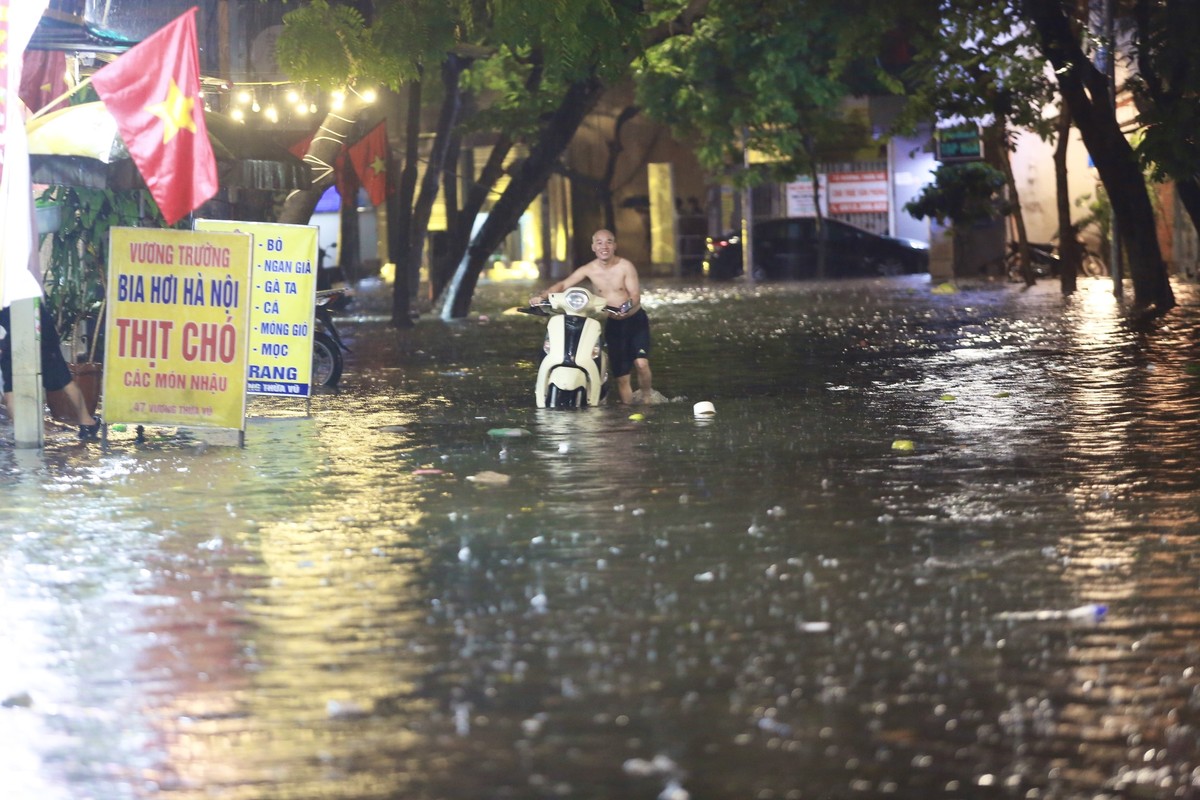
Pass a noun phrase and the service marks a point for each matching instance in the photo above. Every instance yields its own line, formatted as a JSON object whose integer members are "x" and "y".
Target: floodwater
{"x": 388, "y": 600}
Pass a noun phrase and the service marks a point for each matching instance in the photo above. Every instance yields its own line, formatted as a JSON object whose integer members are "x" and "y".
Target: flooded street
{"x": 930, "y": 545}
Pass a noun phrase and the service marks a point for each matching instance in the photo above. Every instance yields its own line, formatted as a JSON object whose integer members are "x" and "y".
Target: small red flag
{"x": 44, "y": 77}
{"x": 370, "y": 157}
{"x": 300, "y": 149}
{"x": 153, "y": 91}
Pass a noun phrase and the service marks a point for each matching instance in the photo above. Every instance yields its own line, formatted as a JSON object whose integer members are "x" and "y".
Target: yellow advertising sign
{"x": 282, "y": 304}
{"x": 176, "y": 328}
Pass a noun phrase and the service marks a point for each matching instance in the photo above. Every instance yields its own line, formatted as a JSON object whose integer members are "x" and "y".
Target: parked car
{"x": 786, "y": 249}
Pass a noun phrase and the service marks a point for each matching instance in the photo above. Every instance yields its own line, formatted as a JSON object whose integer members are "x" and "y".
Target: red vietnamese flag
{"x": 300, "y": 148}
{"x": 44, "y": 77}
{"x": 369, "y": 155}
{"x": 153, "y": 91}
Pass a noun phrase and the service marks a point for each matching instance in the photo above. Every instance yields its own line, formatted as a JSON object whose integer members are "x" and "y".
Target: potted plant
{"x": 971, "y": 197}
{"x": 75, "y": 268}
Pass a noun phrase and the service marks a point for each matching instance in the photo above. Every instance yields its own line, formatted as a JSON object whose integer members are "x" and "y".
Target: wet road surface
{"x": 930, "y": 545}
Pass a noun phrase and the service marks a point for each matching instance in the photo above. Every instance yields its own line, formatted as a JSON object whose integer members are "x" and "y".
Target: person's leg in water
{"x": 629, "y": 349}
{"x": 624, "y": 390}
{"x": 642, "y": 367}
{"x": 56, "y": 375}
{"x": 89, "y": 425}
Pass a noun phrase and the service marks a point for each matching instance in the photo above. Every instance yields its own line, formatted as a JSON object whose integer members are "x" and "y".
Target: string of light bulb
{"x": 273, "y": 99}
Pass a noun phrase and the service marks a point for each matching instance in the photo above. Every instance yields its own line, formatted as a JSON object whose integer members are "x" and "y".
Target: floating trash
{"x": 903, "y": 445}
{"x": 489, "y": 478}
{"x": 948, "y": 398}
{"x": 18, "y": 700}
{"x": 704, "y": 409}
{"x": 510, "y": 433}
{"x": 1085, "y": 612}
{"x": 637, "y": 417}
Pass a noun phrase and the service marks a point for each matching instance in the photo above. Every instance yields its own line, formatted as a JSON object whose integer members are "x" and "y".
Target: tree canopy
{"x": 768, "y": 75}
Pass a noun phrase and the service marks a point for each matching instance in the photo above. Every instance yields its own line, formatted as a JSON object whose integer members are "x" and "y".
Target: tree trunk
{"x": 1189, "y": 195}
{"x": 528, "y": 180}
{"x": 350, "y": 250}
{"x": 441, "y": 267}
{"x": 400, "y": 212}
{"x": 452, "y": 68}
{"x": 1085, "y": 92}
{"x": 322, "y": 152}
{"x": 1169, "y": 98}
{"x": 461, "y": 222}
{"x": 1004, "y": 159}
{"x": 1068, "y": 244}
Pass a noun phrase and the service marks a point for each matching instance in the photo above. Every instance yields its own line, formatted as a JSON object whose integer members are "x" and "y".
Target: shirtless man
{"x": 627, "y": 334}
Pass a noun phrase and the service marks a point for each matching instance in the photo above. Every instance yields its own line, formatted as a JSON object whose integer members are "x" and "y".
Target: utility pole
{"x": 28, "y": 400}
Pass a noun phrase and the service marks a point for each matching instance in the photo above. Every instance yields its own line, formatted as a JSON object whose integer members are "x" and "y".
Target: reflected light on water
{"x": 769, "y": 603}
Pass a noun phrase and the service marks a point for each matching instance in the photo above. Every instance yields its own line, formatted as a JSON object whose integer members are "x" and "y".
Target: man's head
{"x": 604, "y": 244}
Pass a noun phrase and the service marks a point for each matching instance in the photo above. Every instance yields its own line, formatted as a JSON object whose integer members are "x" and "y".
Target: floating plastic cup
{"x": 704, "y": 409}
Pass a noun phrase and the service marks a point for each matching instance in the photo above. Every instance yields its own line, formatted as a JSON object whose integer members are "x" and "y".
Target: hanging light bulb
{"x": 337, "y": 100}
{"x": 256, "y": 107}
{"x": 272, "y": 114}
{"x": 244, "y": 96}
{"x": 293, "y": 96}
{"x": 369, "y": 95}
{"x": 238, "y": 114}
{"x": 312, "y": 108}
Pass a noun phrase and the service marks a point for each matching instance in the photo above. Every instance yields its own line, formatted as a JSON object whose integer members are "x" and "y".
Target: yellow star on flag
{"x": 175, "y": 112}
{"x": 378, "y": 165}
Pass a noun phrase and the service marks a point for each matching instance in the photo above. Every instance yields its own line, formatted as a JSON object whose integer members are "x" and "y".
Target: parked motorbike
{"x": 327, "y": 342}
{"x": 573, "y": 372}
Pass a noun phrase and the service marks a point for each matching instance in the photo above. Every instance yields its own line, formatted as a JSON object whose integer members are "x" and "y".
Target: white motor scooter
{"x": 574, "y": 370}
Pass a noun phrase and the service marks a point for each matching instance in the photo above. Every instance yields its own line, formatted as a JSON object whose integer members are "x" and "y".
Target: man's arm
{"x": 632, "y": 287}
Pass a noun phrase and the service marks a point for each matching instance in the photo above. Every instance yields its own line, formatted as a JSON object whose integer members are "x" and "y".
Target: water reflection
{"x": 392, "y": 599}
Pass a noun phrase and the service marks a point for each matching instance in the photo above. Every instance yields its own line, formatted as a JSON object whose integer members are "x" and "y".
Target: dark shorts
{"x": 55, "y": 372}
{"x": 627, "y": 340}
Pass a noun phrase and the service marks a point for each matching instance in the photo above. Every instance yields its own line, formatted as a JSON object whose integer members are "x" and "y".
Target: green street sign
{"x": 958, "y": 144}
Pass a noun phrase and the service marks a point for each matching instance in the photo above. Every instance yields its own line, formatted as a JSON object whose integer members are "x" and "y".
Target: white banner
{"x": 858, "y": 192}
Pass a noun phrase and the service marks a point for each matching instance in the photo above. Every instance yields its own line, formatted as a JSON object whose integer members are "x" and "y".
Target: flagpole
{"x": 59, "y": 99}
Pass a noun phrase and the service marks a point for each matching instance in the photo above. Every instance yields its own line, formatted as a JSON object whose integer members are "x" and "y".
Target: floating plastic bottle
{"x": 1091, "y": 611}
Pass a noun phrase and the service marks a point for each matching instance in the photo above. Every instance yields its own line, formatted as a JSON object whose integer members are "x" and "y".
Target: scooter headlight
{"x": 576, "y": 299}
